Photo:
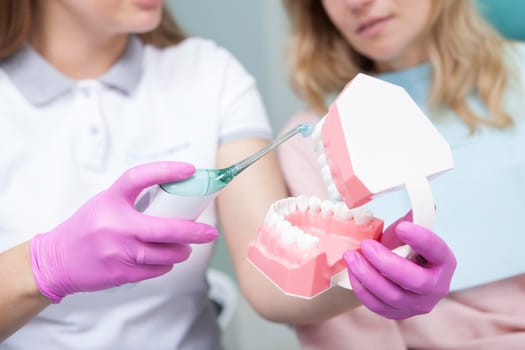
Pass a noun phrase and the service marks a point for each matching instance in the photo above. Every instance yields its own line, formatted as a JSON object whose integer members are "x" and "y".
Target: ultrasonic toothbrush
{"x": 188, "y": 198}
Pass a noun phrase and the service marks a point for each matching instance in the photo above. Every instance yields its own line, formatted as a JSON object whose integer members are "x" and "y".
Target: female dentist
{"x": 97, "y": 101}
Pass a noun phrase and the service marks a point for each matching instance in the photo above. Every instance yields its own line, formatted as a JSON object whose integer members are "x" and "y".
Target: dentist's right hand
{"x": 107, "y": 242}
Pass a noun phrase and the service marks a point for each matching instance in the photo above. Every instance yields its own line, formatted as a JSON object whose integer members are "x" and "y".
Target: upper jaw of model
{"x": 365, "y": 148}
{"x": 375, "y": 139}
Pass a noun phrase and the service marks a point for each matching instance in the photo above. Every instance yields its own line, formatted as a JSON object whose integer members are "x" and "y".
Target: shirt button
{"x": 94, "y": 130}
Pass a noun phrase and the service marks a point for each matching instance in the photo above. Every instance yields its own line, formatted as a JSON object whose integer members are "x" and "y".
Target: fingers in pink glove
{"x": 140, "y": 273}
{"x": 162, "y": 254}
{"x": 359, "y": 269}
{"x": 392, "y": 293}
{"x": 412, "y": 276}
{"x": 107, "y": 242}
{"x": 384, "y": 280}
{"x": 426, "y": 243}
{"x": 133, "y": 181}
{"x": 159, "y": 229}
{"x": 169, "y": 230}
{"x": 389, "y": 237}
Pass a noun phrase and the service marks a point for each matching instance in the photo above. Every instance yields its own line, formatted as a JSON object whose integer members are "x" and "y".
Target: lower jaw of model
{"x": 300, "y": 246}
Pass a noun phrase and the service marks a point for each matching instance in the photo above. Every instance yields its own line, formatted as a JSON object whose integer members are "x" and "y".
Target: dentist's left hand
{"x": 107, "y": 242}
{"x": 396, "y": 287}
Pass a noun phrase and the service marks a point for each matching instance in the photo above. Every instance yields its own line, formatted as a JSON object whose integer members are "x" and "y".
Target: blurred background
{"x": 255, "y": 31}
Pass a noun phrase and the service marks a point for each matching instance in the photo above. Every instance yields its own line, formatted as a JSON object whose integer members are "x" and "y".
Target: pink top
{"x": 491, "y": 316}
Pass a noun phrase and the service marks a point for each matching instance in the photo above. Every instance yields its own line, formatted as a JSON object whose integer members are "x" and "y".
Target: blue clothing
{"x": 481, "y": 202}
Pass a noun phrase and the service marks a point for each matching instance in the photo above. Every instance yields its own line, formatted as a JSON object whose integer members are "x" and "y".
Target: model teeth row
{"x": 333, "y": 192}
{"x": 290, "y": 234}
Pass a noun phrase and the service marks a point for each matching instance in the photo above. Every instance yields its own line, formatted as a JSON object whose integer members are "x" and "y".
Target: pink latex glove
{"x": 396, "y": 287}
{"x": 107, "y": 243}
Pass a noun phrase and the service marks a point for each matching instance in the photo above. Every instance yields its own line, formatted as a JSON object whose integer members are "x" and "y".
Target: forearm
{"x": 20, "y": 299}
{"x": 242, "y": 208}
{"x": 272, "y": 304}
{"x": 264, "y": 296}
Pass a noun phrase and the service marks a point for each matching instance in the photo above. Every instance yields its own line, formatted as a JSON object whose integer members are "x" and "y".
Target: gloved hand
{"x": 107, "y": 243}
{"x": 396, "y": 287}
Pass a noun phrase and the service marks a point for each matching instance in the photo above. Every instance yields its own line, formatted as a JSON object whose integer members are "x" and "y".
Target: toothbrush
{"x": 187, "y": 199}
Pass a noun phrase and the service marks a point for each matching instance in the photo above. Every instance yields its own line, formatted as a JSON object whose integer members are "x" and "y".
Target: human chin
{"x": 148, "y": 4}
{"x": 143, "y": 21}
{"x": 383, "y": 54}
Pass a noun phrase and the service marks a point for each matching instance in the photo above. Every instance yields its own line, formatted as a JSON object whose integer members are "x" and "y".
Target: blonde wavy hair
{"x": 321, "y": 60}
{"x": 16, "y": 18}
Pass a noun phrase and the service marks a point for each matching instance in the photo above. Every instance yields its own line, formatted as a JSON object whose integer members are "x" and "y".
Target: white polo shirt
{"x": 62, "y": 141}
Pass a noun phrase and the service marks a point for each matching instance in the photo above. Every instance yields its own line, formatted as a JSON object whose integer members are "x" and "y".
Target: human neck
{"x": 74, "y": 47}
{"x": 410, "y": 58}
{"x": 393, "y": 66}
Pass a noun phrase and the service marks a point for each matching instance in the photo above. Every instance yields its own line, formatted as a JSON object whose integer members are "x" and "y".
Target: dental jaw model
{"x": 300, "y": 246}
{"x": 374, "y": 139}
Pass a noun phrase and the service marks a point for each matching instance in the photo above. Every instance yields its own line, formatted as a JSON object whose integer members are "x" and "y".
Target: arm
{"x": 20, "y": 299}
{"x": 298, "y": 161}
{"x": 242, "y": 207}
{"x": 106, "y": 243}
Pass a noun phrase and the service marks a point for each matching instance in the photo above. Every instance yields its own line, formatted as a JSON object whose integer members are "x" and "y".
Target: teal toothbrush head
{"x": 207, "y": 181}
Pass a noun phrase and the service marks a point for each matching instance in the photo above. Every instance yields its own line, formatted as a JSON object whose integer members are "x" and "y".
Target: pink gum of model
{"x": 307, "y": 273}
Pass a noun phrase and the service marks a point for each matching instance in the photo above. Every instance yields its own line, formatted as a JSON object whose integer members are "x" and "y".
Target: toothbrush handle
{"x": 243, "y": 164}
{"x": 157, "y": 202}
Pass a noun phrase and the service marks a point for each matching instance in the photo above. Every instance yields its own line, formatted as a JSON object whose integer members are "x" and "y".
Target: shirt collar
{"x": 40, "y": 83}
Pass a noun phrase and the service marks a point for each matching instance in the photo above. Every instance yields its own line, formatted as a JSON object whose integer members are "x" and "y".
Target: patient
{"x": 469, "y": 81}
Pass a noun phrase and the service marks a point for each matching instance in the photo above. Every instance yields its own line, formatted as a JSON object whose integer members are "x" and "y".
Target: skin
{"x": 82, "y": 39}
{"x": 20, "y": 299}
{"x": 100, "y": 26}
{"x": 389, "y": 32}
{"x": 239, "y": 228}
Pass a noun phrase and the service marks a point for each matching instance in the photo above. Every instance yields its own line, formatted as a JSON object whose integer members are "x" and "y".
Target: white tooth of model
{"x": 307, "y": 241}
{"x": 363, "y": 216}
{"x": 314, "y": 204}
{"x": 302, "y": 203}
{"x": 327, "y": 208}
{"x": 290, "y": 236}
{"x": 342, "y": 212}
